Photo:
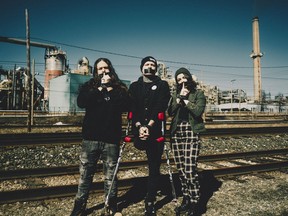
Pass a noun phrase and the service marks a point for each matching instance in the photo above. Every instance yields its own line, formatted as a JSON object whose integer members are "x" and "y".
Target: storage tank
{"x": 64, "y": 91}
{"x": 55, "y": 65}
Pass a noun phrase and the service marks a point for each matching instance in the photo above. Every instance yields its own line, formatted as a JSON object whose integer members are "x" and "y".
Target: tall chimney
{"x": 256, "y": 56}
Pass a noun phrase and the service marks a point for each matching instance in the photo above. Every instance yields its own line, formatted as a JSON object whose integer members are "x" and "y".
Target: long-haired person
{"x": 104, "y": 98}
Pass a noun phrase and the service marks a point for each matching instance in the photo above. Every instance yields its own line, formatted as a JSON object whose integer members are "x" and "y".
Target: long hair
{"x": 115, "y": 81}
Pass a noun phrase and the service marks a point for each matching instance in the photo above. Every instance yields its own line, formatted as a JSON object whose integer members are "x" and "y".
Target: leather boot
{"x": 193, "y": 209}
{"x": 184, "y": 207}
{"x": 79, "y": 208}
{"x": 150, "y": 208}
{"x": 113, "y": 205}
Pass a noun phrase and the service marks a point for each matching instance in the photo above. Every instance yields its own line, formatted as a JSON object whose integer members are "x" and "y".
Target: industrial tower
{"x": 256, "y": 56}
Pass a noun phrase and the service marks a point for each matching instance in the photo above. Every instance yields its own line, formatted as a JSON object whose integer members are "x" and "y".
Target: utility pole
{"x": 233, "y": 80}
{"x": 32, "y": 92}
{"x": 28, "y": 71}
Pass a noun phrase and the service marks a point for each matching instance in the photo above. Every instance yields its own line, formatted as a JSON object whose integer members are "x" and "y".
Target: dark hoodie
{"x": 103, "y": 118}
{"x": 185, "y": 72}
{"x": 148, "y": 99}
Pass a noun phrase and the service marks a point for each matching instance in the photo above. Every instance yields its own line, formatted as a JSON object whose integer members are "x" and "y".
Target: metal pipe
{"x": 28, "y": 71}
{"x": 23, "y": 42}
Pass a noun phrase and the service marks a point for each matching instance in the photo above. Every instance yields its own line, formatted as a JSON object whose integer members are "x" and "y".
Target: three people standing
{"x": 105, "y": 97}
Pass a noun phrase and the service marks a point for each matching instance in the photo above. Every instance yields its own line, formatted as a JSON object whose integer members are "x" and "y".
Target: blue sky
{"x": 213, "y": 39}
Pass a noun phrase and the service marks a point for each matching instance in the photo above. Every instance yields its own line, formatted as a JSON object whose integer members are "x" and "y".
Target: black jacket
{"x": 148, "y": 99}
{"x": 103, "y": 118}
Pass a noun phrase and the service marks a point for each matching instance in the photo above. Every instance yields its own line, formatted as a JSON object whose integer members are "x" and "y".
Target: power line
{"x": 163, "y": 60}
{"x": 90, "y": 49}
{"x": 18, "y": 62}
{"x": 167, "y": 61}
{"x": 200, "y": 71}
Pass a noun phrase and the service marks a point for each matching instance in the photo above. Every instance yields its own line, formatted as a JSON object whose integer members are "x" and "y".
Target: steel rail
{"x": 248, "y": 169}
{"x": 209, "y": 124}
{"x": 124, "y": 184}
{"x": 9, "y": 140}
{"x": 28, "y": 139}
{"x": 74, "y": 169}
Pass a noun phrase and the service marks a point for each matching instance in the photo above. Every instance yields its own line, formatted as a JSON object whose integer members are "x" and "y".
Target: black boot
{"x": 113, "y": 206}
{"x": 193, "y": 209}
{"x": 79, "y": 208}
{"x": 150, "y": 208}
{"x": 184, "y": 207}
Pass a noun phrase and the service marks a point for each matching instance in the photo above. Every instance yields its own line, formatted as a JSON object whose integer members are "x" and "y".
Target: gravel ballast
{"x": 264, "y": 194}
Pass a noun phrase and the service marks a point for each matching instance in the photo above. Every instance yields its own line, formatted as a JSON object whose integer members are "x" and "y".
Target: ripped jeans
{"x": 91, "y": 152}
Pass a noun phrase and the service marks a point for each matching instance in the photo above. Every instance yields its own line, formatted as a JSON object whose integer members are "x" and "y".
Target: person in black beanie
{"x": 104, "y": 98}
{"x": 186, "y": 108}
{"x": 150, "y": 96}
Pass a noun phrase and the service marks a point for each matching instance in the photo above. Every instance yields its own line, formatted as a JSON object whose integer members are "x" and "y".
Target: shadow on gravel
{"x": 91, "y": 210}
{"x": 134, "y": 195}
{"x": 138, "y": 192}
{"x": 209, "y": 184}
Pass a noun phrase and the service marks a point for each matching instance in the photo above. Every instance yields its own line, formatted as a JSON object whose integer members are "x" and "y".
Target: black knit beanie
{"x": 148, "y": 58}
{"x": 185, "y": 72}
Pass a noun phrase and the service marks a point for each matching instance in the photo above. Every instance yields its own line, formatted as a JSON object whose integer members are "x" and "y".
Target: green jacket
{"x": 196, "y": 107}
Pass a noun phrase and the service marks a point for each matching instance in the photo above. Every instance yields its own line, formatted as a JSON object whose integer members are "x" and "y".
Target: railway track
{"x": 34, "y": 139}
{"x": 277, "y": 161}
{"x": 262, "y": 160}
{"x": 74, "y": 169}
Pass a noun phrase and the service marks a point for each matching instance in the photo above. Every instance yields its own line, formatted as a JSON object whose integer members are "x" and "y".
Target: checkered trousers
{"x": 185, "y": 148}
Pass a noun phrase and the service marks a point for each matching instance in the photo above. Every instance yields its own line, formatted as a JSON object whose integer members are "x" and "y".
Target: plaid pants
{"x": 185, "y": 148}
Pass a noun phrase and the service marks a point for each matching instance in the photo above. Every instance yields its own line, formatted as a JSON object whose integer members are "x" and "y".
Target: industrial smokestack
{"x": 256, "y": 56}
